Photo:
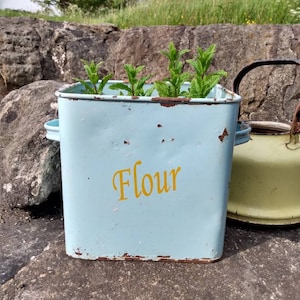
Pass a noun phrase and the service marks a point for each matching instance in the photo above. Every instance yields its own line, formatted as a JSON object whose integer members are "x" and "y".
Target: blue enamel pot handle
{"x": 52, "y": 128}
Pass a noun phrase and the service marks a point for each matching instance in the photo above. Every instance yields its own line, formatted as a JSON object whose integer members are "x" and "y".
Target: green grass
{"x": 188, "y": 12}
{"x": 70, "y": 17}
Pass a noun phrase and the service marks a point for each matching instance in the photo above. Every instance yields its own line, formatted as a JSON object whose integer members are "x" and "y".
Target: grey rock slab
{"x": 33, "y": 49}
{"x": 23, "y": 237}
{"x": 29, "y": 163}
{"x": 258, "y": 263}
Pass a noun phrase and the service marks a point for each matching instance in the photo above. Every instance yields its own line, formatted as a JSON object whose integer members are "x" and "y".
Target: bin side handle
{"x": 52, "y": 128}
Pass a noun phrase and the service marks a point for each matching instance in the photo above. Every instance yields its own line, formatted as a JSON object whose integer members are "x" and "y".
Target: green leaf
{"x": 139, "y": 69}
{"x": 103, "y": 82}
{"x": 135, "y": 86}
{"x": 120, "y": 86}
{"x": 141, "y": 82}
{"x": 171, "y": 87}
{"x": 149, "y": 91}
{"x": 91, "y": 70}
{"x": 87, "y": 87}
{"x": 202, "y": 82}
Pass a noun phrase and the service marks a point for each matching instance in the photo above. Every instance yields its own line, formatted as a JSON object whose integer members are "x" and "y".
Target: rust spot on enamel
{"x": 222, "y": 136}
{"x": 169, "y": 101}
{"x": 77, "y": 252}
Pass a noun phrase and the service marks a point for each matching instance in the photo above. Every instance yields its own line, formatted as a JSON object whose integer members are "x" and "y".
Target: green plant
{"x": 171, "y": 87}
{"x": 202, "y": 82}
{"x": 135, "y": 86}
{"x": 96, "y": 84}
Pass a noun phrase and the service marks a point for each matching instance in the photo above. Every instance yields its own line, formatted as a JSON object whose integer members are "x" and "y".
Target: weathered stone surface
{"x": 24, "y": 236}
{"x": 270, "y": 93}
{"x": 258, "y": 263}
{"x": 29, "y": 163}
{"x": 34, "y": 49}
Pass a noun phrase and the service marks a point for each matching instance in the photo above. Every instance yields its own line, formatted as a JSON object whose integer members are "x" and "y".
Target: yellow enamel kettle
{"x": 265, "y": 180}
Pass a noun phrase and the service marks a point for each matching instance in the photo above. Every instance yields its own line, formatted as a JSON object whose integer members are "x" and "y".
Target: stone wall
{"x": 34, "y": 49}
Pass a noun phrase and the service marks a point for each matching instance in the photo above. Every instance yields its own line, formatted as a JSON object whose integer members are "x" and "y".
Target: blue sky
{"x": 19, "y": 4}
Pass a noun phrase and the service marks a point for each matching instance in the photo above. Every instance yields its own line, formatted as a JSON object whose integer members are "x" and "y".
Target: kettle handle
{"x": 295, "y": 125}
{"x": 258, "y": 63}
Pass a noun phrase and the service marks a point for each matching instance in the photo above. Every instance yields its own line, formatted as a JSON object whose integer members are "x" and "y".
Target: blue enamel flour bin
{"x": 146, "y": 178}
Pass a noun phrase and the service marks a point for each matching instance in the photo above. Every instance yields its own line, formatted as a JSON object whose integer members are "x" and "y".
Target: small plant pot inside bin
{"x": 146, "y": 178}
{"x": 265, "y": 186}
